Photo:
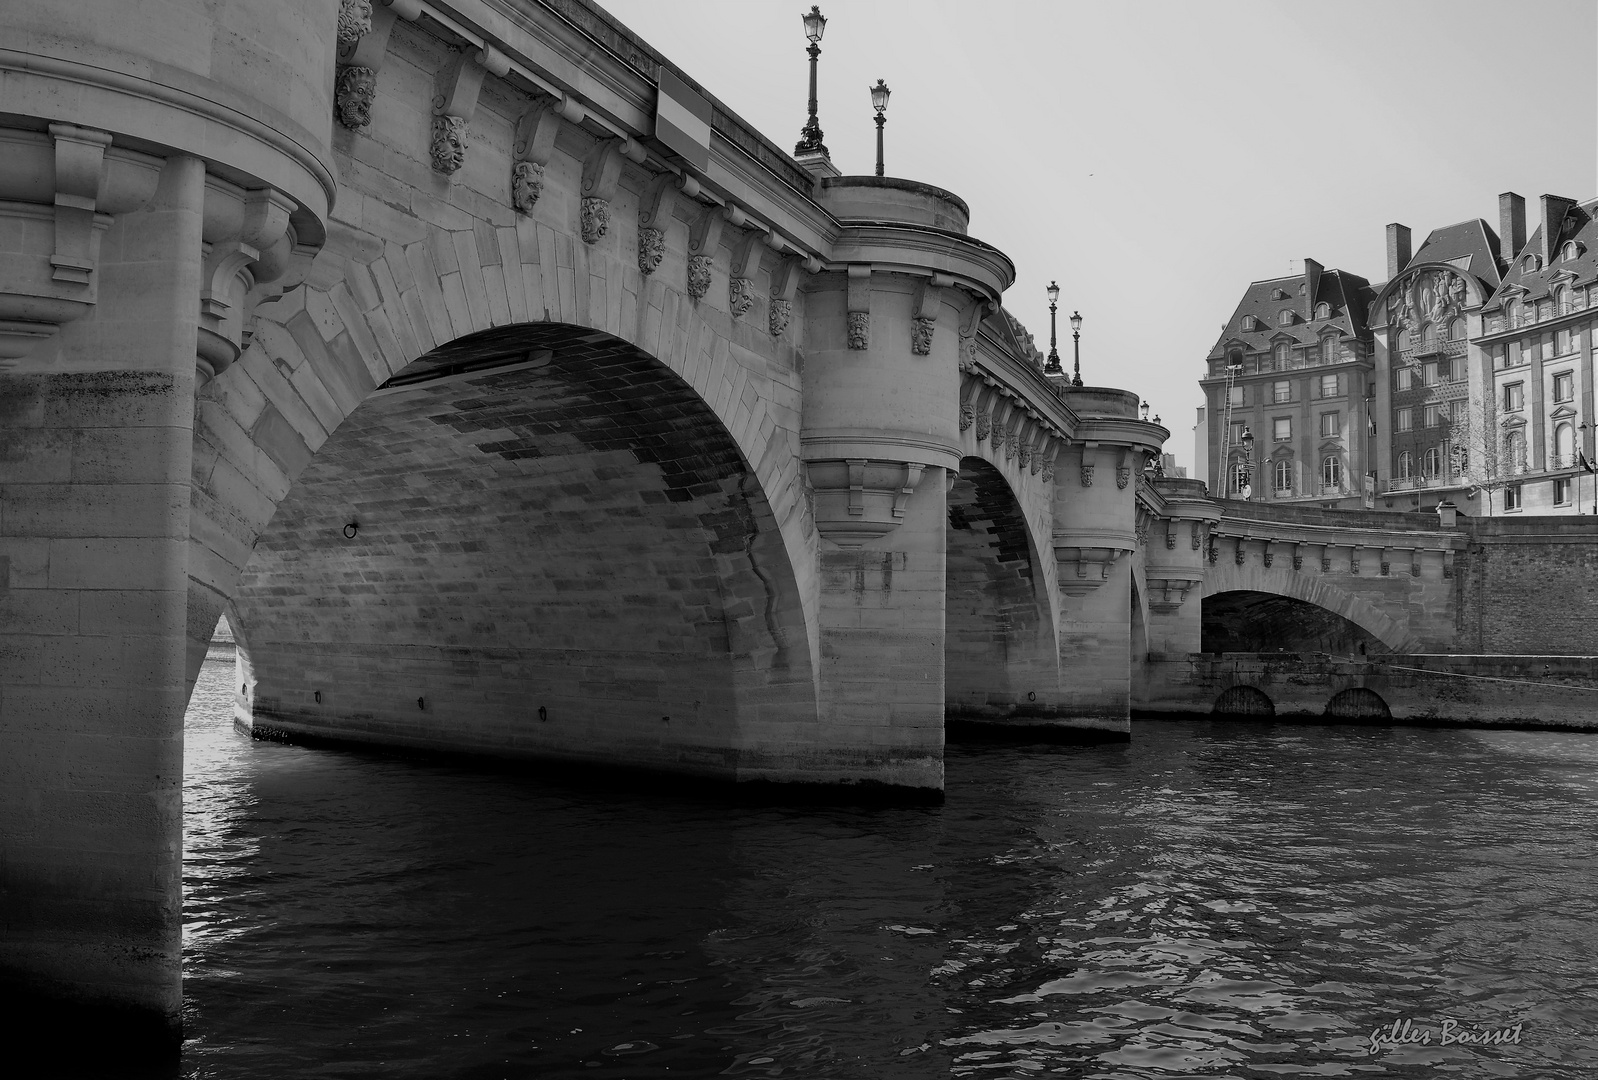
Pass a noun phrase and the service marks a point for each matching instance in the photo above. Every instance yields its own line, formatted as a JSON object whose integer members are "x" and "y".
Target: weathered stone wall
{"x": 1527, "y": 585}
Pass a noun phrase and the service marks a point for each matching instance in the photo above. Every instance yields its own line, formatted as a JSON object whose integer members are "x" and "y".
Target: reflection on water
{"x": 1213, "y": 900}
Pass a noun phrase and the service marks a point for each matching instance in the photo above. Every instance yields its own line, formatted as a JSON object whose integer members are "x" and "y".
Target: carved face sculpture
{"x": 526, "y": 185}
{"x": 353, "y": 96}
{"x": 449, "y": 143}
{"x": 354, "y": 19}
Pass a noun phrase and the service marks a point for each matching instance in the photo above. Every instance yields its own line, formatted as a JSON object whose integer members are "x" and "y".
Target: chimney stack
{"x": 1397, "y": 249}
{"x": 1552, "y": 219}
{"x": 1312, "y": 284}
{"x": 1511, "y": 225}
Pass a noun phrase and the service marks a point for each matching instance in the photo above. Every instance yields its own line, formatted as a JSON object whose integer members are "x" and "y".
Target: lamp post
{"x": 1052, "y": 367}
{"x": 879, "y": 102}
{"x": 1248, "y": 464}
{"x": 1076, "y": 348}
{"x": 810, "y": 135}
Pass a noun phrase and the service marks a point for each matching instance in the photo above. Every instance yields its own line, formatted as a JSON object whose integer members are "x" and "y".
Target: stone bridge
{"x": 513, "y": 397}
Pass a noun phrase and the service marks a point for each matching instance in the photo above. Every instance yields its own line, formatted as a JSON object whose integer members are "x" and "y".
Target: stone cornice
{"x": 908, "y": 248}
{"x": 1264, "y": 530}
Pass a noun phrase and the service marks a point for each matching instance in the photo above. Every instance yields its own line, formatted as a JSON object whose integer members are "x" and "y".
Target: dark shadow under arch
{"x": 1243, "y": 701}
{"x": 558, "y": 550}
{"x": 1255, "y": 622}
{"x": 1358, "y": 703}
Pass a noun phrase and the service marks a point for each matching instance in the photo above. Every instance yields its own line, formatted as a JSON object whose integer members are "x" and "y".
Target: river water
{"x": 1214, "y": 900}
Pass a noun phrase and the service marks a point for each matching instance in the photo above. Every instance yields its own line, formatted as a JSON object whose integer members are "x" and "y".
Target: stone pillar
{"x": 880, "y": 440}
{"x": 1095, "y": 523}
{"x": 1174, "y": 563}
{"x": 94, "y": 585}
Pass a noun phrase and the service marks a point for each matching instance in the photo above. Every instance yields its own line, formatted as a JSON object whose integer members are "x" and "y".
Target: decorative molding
{"x": 353, "y": 93}
{"x": 778, "y": 315}
{"x": 1298, "y": 561}
{"x": 601, "y": 171}
{"x": 448, "y": 148}
{"x": 1087, "y": 476}
{"x": 970, "y": 320}
{"x": 921, "y": 336}
{"x": 1326, "y": 564}
{"x": 740, "y": 296}
{"x": 532, "y": 148}
{"x": 968, "y": 415}
{"x": 859, "y": 330}
{"x": 594, "y": 219}
{"x": 1170, "y": 536}
{"x": 1123, "y": 476}
{"x": 1387, "y": 568}
{"x": 1197, "y": 528}
{"x": 698, "y": 276}
{"x": 354, "y": 20}
{"x": 924, "y": 310}
{"x": 741, "y": 274}
{"x": 79, "y": 166}
{"x": 1268, "y": 557}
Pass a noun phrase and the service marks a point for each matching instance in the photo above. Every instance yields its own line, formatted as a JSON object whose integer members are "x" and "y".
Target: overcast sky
{"x": 1155, "y": 157}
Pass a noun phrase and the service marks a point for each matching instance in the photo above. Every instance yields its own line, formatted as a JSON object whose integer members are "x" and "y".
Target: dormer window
{"x": 1323, "y": 311}
{"x": 1278, "y": 294}
{"x": 1284, "y": 317}
{"x": 1532, "y": 262}
{"x": 1572, "y": 250}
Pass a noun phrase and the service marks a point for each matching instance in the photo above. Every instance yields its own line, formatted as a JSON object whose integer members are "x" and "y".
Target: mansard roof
{"x": 1581, "y": 225}
{"x": 1347, "y": 294}
{"x": 1471, "y": 246}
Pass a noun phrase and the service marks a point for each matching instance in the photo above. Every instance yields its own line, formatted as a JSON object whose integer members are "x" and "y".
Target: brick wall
{"x": 1528, "y": 585}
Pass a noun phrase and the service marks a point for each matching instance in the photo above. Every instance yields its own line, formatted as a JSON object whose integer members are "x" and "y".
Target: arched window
{"x": 1515, "y": 452}
{"x": 1456, "y": 330}
{"x": 1234, "y": 358}
{"x": 1564, "y": 446}
{"x": 1516, "y": 312}
{"x": 1532, "y": 262}
{"x": 1323, "y": 310}
{"x": 1239, "y": 478}
{"x": 1331, "y": 473}
{"x": 1428, "y": 335}
{"x": 1562, "y": 298}
{"x": 1406, "y": 465}
{"x": 1284, "y": 317}
{"x": 1280, "y": 353}
{"x": 1572, "y": 250}
{"x": 1433, "y": 462}
{"x": 1329, "y": 349}
{"x": 1284, "y": 476}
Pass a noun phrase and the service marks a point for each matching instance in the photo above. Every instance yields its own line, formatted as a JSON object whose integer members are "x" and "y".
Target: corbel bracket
{"x": 741, "y": 274}
{"x": 704, "y": 236}
{"x": 1090, "y": 458}
{"x": 859, "y": 300}
{"x": 79, "y": 169}
{"x": 924, "y": 312}
{"x": 601, "y": 171}
{"x": 784, "y": 283}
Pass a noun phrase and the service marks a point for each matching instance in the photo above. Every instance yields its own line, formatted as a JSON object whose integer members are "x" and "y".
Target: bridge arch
{"x": 1001, "y": 644}
{"x": 535, "y": 539}
{"x": 1243, "y": 701}
{"x": 1316, "y": 590}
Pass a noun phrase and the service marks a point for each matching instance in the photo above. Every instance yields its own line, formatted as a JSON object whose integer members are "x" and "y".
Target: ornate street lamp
{"x": 879, "y": 102}
{"x": 1076, "y": 348}
{"x": 1053, "y": 366}
{"x": 810, "y": 136}
{"x": 1248, "y": 463}
{"x": 1145, "y": 408}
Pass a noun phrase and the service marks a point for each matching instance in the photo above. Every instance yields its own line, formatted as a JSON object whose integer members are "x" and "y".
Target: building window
{"x": 1515, "y": 452}
{"x": 1328, "y": 386}
{"x": 1500, "y": 357}
{"x": 1516, "y": 313}
{"x": 1456, "y": 330}
{"x": 1562, "y": 492}
{"x": 1562, "y": 297}
{"x": 1433, "y": 462}
{"x": 1564, "y": 446}
{"x": 1284, "y": 317}
{"x": 1434, "y": 416}
{"x": 1406, "y": 465}
{"x": 1562, "y": 343}
{"x": 1237, "y": 434}
{"x": 1239, "y": 478}
{"x": 1572, "y": 249}
{"x": 1405, "y": 419}
{"x": 1514, "y": 397}
{"x": 1323, "y": 311}
{"x": 1284, "y": 477}
{"x": 1532, "y": 262}
{"x": 1331, "y": 472}
{"x": 1235, "y": 357}
{"x": 1331, "y": 424}
{"x": 1406, "y": 377}
{"x": 1282, "y": 429}
{"x": 1545, "y": 310}
{"x": 1512, "y": 497}
{"x": 1281, "y": 392}
{"x": 1281, "y": 353}
{"x": 1565, "y": 386}
{"x": 1428, "y": 372}
{"x": 1235, "y": 396}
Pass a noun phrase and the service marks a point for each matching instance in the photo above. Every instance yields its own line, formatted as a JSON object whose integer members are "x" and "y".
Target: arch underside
{"x": 1255, "y": 622}
{"x": 999, "y": 639}
{"x": 558, "y": 551}
{"x": 1317, "y": 593}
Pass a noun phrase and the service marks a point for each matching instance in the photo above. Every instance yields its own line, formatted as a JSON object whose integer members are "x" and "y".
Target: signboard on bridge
{"x": 682, "y": 119}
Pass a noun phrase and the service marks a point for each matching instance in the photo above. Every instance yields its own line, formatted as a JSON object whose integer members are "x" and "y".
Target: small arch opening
{"x": 1358, "y": 703}
{"x": 1247, "y": 701}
